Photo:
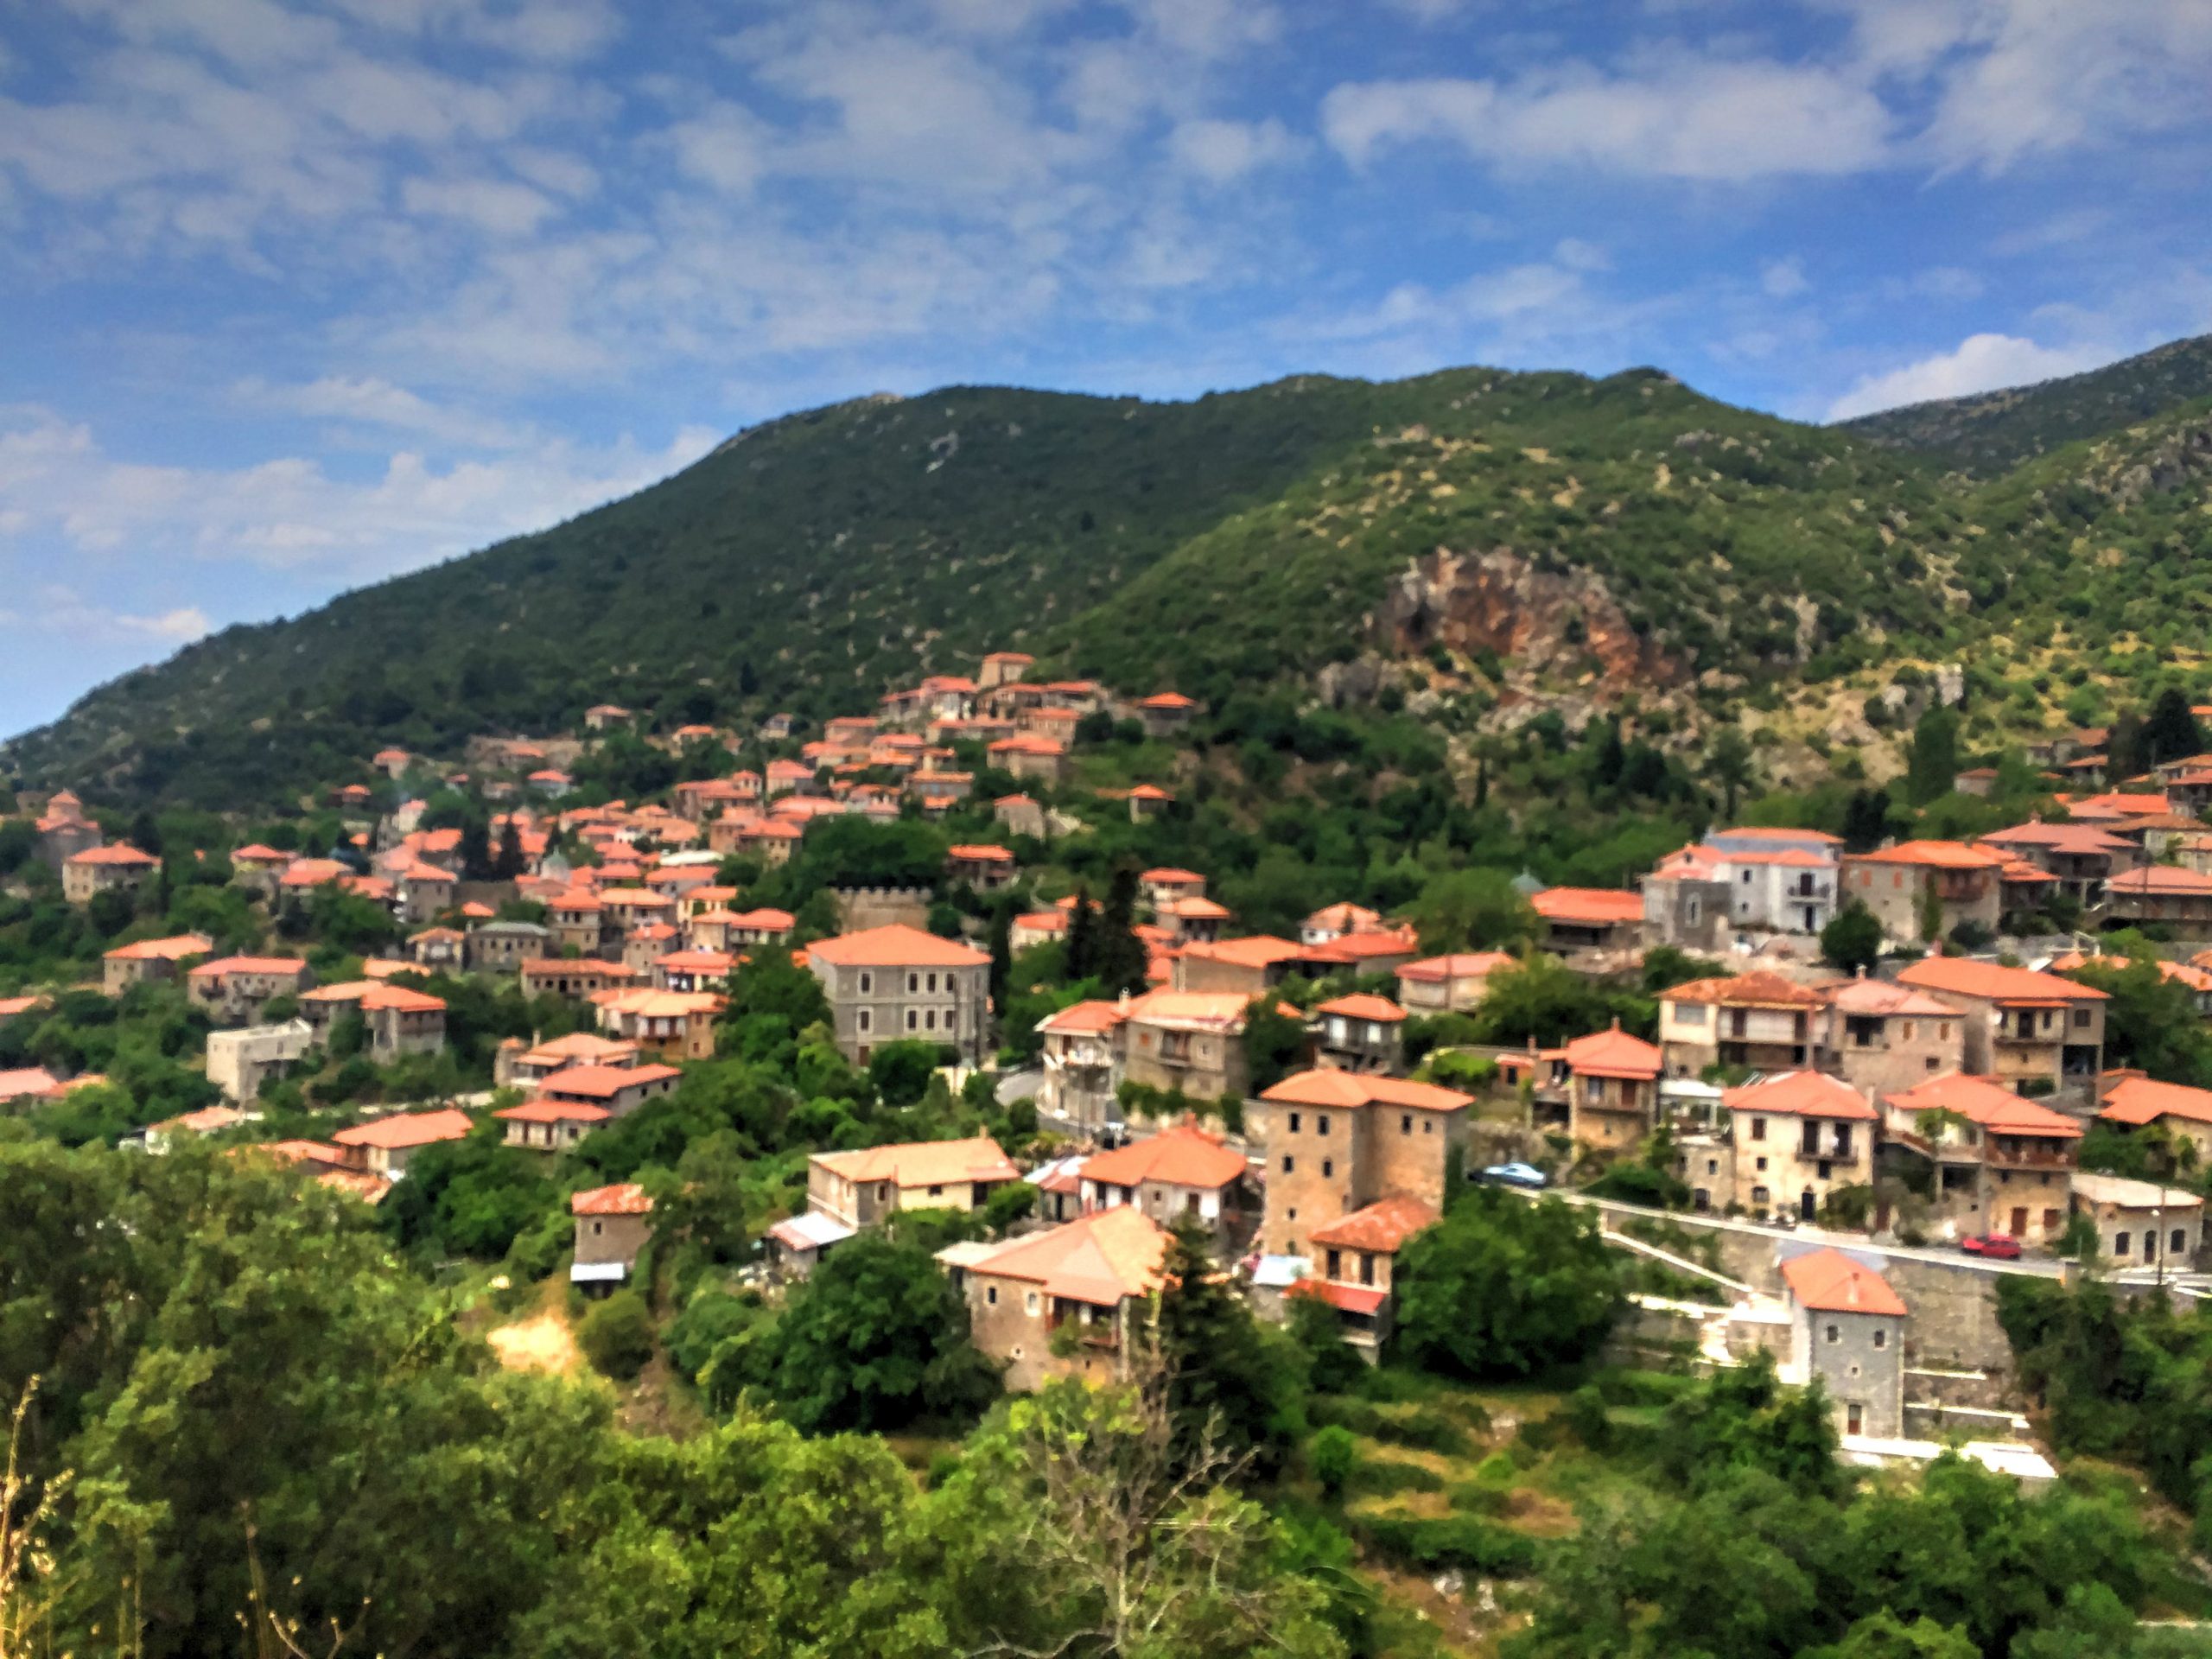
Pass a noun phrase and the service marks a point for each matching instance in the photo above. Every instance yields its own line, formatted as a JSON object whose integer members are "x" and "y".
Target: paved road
{"x": 1018, "y": 1085}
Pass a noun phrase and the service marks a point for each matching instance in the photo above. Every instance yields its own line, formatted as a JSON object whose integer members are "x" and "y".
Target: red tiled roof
{"x": 1993, "y": 982}
{"x": 603, "y": 1082}
{"x": 897, "y": 946}
{"x": 1101, "y": 1260}
{"x": 1323, "y": 1088}
{"x": 1182, "y": 1156}
{"x": 1829, "y": 1282}
{"x": 407, "y": 1130}
{"x": 1382, "y": 1226}
{"x": 1934, "y": 855}
{"x": 1613, "y": 1054}
{"x": 1347, "y": 1298}
{"x": 1989, "y": 1104}
{"x": 626, "y": 1198}
{"x": 1466, "y": 964}
{"x": 2138, "y": 1101}
{"x": 1761, "y": 988}
{"x": 1364, "y": 1006}
{"x": 1802, "y": 1093}
{"x": 1593, "y": 906}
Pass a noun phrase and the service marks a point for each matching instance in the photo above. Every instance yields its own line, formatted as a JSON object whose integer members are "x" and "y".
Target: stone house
{"x": 671, "y": 1026}
{"x": 2138, "y": 1103}
{"x": 1157, "y": 888}
{"x": 1759, "y": 1021}
{"x": 1181, "y": 1173}
{"x": 2031, "y": 1032}
{"x": 1081, "y": 1061}
{"x": 1354, "y": 1261}
{"x": 1756, "y": 880}
{"x": 240, "y": 1062}
{"x": 575, "y": 977}
{"x": 861, "y": 1189}
{"x": 613, "y": 1225}
{"x": 1018, "y": 815}
{"x": 982, "y": 868}
{"x": 795, "y": 1245}
{"x": 1998, "y": 1163}
{"x": 1612, "y": 1083}
{"x": 1847, "y": 1327}
{"x": 576, "y": 921}
{"x": 396, "y": 1020}
{"x": 1040, "y": 760}
{"x": 896, "y": 984}
{"x": 617, "y": 1090}
{"x": 383, "y": 1146}
{"x": 1589, "y": 919}
{"x": 1797, "y": 1139}
{"x": 64, "y": 830}
{"x": 550, "y": 1126}
{"x": 234, "y": 990}
{"x": 439, "y": 950}
{"x": 1360, "y": 1032}
{"x": 1337, "y": 1141}
{"x": 1068, "y": 1302}
{"x": 1187, "y": 1041}
{"x": 104, "y": 869}
{"x": 502, "y": 947}
{"x": 1899, "y": 884}
{"x": 1166, "y": 714}
{"x": 2166, "y": 894}
{"x": 1881, "y": 1037}
{"x": 2080, "y": 858}
{"x": 1449, "y": 984}
{"x": 149, "y": 959}
{"x": 1244, "y": 967}
{"x": 2141, "y": 1224}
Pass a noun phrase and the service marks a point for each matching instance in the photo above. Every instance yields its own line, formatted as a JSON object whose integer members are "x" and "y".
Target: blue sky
{"x": 298, "y": 296}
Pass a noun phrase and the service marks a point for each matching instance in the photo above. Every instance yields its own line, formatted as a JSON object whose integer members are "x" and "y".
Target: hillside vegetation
{"x": 1481, "y": 544}
{"x": 1992, "y": 430}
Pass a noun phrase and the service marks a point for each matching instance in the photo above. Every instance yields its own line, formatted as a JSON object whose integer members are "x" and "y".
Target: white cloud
{"x": 372, "y": 402}
{"x": 1951, "y": 282}
{"x": 1208, "y": 28}
{"x": 724, "y": 148}
{"x": 1783, "y": 279}
{"x": 290, "y": 512}
{"x": 1222, "y": 152}
{"x": 1576, "y": 254}
{"x": 496, "y": 207}
{"x": 1691, "y": 118}
{"x": 57, "y": 610}
{"x": 1980, "y": 363}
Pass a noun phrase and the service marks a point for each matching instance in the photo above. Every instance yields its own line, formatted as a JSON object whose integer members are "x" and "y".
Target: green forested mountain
{"x": 1992, "y": 430}
{"x": 1483, "y": 537}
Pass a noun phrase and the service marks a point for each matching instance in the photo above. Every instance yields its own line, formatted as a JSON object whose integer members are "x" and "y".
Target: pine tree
{"x": 476, "y": 850}
{"x": 1082, "y": 938}
{"x": 1120, "y": 954}
{"x": 2171, "y": 732}
{"x": 512, "y": 862}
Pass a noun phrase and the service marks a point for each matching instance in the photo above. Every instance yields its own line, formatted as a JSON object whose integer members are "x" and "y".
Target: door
{"x": 1807, "y": 1205}
{"x": 2020, "y": 1220}
{"x": 1854, "y": 1417}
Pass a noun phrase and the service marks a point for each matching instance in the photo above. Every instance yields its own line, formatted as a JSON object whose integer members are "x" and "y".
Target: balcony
{"x": 2028, "y": 1154}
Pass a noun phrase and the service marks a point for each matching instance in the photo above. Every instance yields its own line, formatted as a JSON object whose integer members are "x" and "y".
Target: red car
{"x": 1998, "y": 1247}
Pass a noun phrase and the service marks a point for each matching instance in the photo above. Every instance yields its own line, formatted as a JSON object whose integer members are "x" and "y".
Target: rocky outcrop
{"x": 1544, "y": 621}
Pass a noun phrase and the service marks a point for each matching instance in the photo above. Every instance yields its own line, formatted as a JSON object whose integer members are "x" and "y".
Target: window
{"x": 1758, "y": 1128}
{"x": 928, "y": 1020}
{"x": 868, "y": 983}
{"x": 596, "y": 1227}
{"x": 867, "y": 1020}
{"x": 936, "y": 1192}
{"x": 1854, "y": 1416}
{"x": 913, "y": 983}
{"x": 1760, "y": 1167}
{"x": 1029, "y": 1303}
{"x": 1288, "y": 1163}
{"x": 1835, "y": 1335}
{"x": 1328, "y": 1168}
{"x": 912, "y": 1020}
{"x": 1881, "y": 1339}
{"x": 2119, "y": 1244}
{"x": 2179, "y": 1242}
{"x": 2080, "y": 1019}
{"x": 1428, "y": 1127}
{"x": 1406, "y": 1123}
{"x": 991, "y": 1294}
{"x": 1294, "y": 1122}
{"x": 1336, "y": 1264}
{"x": 1690, "y": 1013}
{"x": 1321, "y": 1124}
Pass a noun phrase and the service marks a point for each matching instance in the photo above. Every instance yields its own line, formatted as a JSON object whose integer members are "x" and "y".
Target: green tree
{"x": 1082, "y": 938}
{"x": 1227, "y": 1387}
{"x": 1332, "y": 1454}
{"x": 876, "y": 1339}
{"x": 1273, "y": 1043}
{"x": 1472, "y": 910}
{"x": 511, "y": 861}
{"x": 1502, "y": 1288}
{"x": 1121, "y": 957}
{"x": 901, "y": 1070}
{"x": 1852, "y": 941}
{"x": 1729, "y": 763}
{"x": 616, "y": 1334}
{"x": 2171, "y": 732}
{"x": 1933, "y": 765}
{"x": 1001, "y": 949}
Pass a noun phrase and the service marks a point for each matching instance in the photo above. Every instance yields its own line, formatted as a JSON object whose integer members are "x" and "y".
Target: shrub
{"x": 617, "y": 1335}
{"x": 1333, "y": 1455}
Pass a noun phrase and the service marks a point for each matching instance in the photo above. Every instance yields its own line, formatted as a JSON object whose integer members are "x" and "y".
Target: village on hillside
{"x": 1827, "y": 1099}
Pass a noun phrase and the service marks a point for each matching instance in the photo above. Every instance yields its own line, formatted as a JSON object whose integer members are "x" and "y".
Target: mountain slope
{"x": 1491, "y": 543}
{"x": 1993, "y": 431}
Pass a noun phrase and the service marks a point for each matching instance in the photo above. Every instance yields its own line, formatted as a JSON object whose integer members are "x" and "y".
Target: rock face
{"x": 1546, "y": 621}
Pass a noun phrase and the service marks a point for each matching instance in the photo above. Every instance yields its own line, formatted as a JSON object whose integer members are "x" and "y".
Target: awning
{"x": 598, "y": 1273}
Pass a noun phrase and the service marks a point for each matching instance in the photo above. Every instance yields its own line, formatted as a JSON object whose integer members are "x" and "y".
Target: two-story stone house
{"x": 897, "y": 983}
{"x": 1881, "y": 1037}
{"x": 1797, "y": 1139}
{"x": 1354, "y": 1261}
{"x": 1759, "y": 1021}
{"x": 1945, "y": 883}
{"x": 1183, "y": 1172}
{"x": 1337, "y": 1141}
{"x": 1069, "y": 1302}
{"x": 1998, "y": 1163}
{"x": 2034, "y": 1032}
{"x": 1846, "y": 1328}
{"x": 861, "y": 1189}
